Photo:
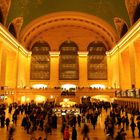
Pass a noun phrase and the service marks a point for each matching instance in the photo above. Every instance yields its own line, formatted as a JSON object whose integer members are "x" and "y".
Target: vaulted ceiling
{"x": 32, "y": 20}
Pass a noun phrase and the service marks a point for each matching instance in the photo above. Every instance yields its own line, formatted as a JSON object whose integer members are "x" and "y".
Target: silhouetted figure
{"x": 7, "y": 123}
{"x": 138, "y": 125}
{"x": 74, "y": 133}
{"x": 66, "y": 135}
{"x": 11, "y": 132}
{"x": 133, "y": 125}
{"x": 85, "y": 132}
{"x": 79, "y": 120}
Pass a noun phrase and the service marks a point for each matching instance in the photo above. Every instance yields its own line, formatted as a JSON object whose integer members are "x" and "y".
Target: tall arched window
{"x": 12, "y": 30}
{"x": 68, "y": 66}
{"x": 137, "y": 13}
{"x": 97, "y": 63}
{"x": 124, "y": 30}
{"x": 1, "y": 16}
{"x": 40, "y": 61}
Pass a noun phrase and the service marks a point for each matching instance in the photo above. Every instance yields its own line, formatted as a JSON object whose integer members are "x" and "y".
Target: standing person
{"x": 138, "y": 125}
{"x": 85, "y": 132}
{"x": 7, "y": 123}
{"x": 133, "y": 125}
{"x": 74, "y": 133}
{"x": 2, "y": 120}
{"x": 79, "y": 120}
{"x": 14, "y": 118}
{"x": 46, "y": 129}
{"x": 66, "y": 135}
{"x": 11, "y": 132}
{"x": 127, "y": 122}
{"x": 123, "y": 120}
{"x": 123, "y": 134}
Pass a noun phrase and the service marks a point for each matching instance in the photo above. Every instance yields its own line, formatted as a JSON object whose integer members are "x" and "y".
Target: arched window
{"x": 68, "y": 66}
{"x": 124, "y": 30}
{"x": 97, "y": 63}
{"x": 12, "y": 30}
{"x": 40, "y": 61}
{"x": 137, "y": 13}
{"x": 1, "y": 16}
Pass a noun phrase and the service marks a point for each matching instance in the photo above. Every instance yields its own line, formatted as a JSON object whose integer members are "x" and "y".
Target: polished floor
{"x": 97, "y": 134}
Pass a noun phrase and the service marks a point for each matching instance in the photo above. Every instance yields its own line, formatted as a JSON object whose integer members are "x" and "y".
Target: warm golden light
{"x": 67, "y": 103}
{"x": 83, "y": 54}
{"x": 130, "y": 36}
{"x": 97, "y": 86}
{"x": 39, "y": 86}
{"x": 102, "y": 97}
{"x": 68, "y": 86}
{"x": 40, "y": 98}
{"x": 23, "y": 99}
{"x": 65, "y": 100}
{"x": 10, "y": 39}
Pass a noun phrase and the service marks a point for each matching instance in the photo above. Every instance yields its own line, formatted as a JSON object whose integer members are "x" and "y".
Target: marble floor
{"x": 97, "y": 134}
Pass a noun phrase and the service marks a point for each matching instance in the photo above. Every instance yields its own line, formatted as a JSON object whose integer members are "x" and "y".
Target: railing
{"x": 54, "y": 91}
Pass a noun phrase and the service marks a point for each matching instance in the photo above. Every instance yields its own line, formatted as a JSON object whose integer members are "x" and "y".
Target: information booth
{"x": 60, "y": 111}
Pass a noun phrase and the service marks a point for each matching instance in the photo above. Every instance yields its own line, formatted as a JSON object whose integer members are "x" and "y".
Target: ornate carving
{"x": 119, "y": 24}
{"x": 17, "y": 22}
{"x": 131, "y": 7}
{"x": 5, "y": 6}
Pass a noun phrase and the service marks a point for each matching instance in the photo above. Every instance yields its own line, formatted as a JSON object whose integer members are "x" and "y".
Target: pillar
{"x": 54, "y": 69}
{"x": 132, "y": 65}
{"x": 83, "y": 82}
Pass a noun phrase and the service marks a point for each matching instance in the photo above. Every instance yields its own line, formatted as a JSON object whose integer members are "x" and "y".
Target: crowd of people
{"x": 41, "y": 117}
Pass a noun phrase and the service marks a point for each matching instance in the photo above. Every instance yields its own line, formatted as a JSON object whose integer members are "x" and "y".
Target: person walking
{"x": 7, "y": 123}
{"x": 79, "y": 120}
{"x": 133, "y": 125}
{"x": 85, "y": 132}
{"x": 66, "y": 135}
{"x": 138, "y": 125}
{"x": 74, "y": 133}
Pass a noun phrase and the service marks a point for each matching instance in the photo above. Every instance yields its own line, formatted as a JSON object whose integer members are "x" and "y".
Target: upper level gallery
{"x": 117, "y": 68}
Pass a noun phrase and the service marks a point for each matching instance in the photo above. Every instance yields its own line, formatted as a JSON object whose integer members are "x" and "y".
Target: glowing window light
{"x": 102, "y": 97}
{"x": 39, "y": 98}
{"x": 65, "y": 100}
{"x": 23, "y": 99}
{"x": 39, "y": 86}
{"x": 97, "y": 86}
{"x": 68, "y": 86}
{"x": 27, "y": 99}
{"x": 51, "y": 97}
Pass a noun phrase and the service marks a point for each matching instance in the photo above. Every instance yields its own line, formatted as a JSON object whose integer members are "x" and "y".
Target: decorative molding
{"x": 83, "y": 54}
{"x": 130, "y": 36}
{"x": 54, "y": 53}
{"x": 131, "y": 7}
{"x": 71, "y": 19}
{"x": 119, "y": 24}
{"x": 17, "y": 22}
{"x": 12, "y": 41}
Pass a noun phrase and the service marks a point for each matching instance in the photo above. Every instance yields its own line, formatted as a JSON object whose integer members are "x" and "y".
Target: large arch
{"x": 70, "y": 20}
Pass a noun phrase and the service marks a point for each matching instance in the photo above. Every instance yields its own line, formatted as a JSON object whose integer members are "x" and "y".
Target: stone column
{"x": 54, "y": 69}
{"x": 83, "y": 79}
{"x": 132, "y": 65}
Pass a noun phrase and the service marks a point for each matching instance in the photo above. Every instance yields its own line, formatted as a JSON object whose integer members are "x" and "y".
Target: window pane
{"x": 40, "y": 62}
{"x": 68, "y": 66}
{"x": 97, "y": 63}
